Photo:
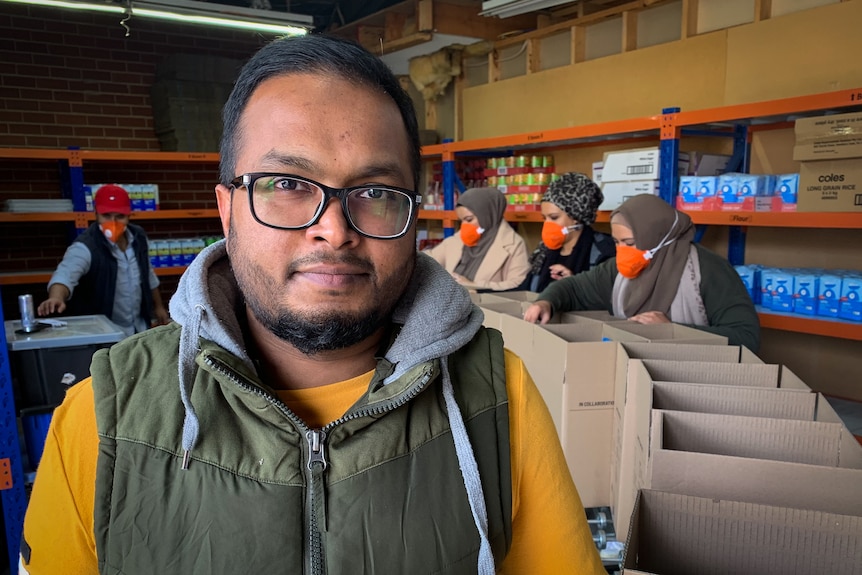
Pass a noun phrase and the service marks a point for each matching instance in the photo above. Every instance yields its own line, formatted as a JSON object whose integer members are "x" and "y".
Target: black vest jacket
{"x": 95, "y": 292}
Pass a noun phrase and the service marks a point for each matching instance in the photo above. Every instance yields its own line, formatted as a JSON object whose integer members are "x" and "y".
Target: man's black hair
{"x": 314, "y": 53}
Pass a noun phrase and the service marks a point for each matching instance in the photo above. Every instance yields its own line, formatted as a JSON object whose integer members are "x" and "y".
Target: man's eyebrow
{"x": 277, "y": 159}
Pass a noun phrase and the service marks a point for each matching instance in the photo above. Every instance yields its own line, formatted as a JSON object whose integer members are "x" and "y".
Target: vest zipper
{"x": 316, "y": 500}
{"x": 316, "y": 465}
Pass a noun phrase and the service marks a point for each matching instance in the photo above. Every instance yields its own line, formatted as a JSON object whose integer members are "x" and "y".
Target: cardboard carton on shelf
{"x": 831, "y": 137}
{"x": 830, "y": 186}
{"x": 615, "y": 193}
{"x": 637, "y": 165}
{"x": 673, "y": 533}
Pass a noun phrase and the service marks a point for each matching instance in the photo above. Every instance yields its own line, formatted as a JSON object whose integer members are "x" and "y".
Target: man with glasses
{"x": 327, "y": 400}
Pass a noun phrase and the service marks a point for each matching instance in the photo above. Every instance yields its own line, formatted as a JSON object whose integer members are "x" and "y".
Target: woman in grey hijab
{"x": 487, "y": 253}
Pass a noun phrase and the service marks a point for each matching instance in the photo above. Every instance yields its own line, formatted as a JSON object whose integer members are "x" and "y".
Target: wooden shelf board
{"x": 810, "y": 324}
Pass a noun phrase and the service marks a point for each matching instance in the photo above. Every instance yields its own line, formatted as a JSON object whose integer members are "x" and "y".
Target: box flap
{"x": 811, "y": 442}
{"x": 683, "y": 534}
{"x": 760, "y": 375}
{"x": 734, "y": 400}
{"x": 763, "y": 481}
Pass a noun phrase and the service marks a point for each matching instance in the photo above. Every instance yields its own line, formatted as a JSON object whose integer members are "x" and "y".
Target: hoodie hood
{"x": 436, "y": 316}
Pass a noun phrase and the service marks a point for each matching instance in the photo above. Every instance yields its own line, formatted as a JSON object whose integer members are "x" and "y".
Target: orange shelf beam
{"x": 845, "y": 220}
{"x": 34, "y": 153}
{"x": 13, "y": 217}
{"x": 24, "y": 278}
{"x": 175, "y": 214}
{"x": 784, "y": 106}
{"x": 811, "y": 325}
{"x": 111, "y": 155}
{"x": 172, "y": 271}
{"x": 552, "y": 137}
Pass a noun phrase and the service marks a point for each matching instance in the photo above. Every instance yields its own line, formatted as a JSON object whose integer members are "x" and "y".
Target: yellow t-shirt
{"x": 550, "y": 534}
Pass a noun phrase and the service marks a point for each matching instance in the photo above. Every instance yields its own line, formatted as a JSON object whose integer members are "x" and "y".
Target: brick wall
{"x": 72, "y": 78}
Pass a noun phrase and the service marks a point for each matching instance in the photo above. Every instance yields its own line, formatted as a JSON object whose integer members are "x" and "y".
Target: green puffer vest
{"x": 380, "y": 492}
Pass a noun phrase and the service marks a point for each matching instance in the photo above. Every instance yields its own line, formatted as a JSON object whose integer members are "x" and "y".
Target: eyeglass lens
{"x": 292, "y": 203}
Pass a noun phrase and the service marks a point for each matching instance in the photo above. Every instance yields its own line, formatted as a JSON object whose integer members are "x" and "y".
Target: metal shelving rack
{"x": 736, "y": 121}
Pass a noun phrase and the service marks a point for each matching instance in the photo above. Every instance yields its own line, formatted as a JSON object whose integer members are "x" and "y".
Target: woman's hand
{"x": 650, "y": 317}
{"x": 460, "y": 279}
{"x": 540, "y": 312}
{"x": 559, "y": 271}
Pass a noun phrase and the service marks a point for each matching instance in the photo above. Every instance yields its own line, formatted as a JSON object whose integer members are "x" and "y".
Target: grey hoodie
{"x": 436, "y": 315}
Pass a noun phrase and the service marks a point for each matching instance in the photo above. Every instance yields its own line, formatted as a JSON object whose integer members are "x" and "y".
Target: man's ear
{"x": 224, "y": 197}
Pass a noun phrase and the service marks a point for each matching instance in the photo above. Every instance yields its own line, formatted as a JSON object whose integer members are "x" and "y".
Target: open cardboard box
{"x": 810, "y": 465}
{"x": 634, "y": 402}
{"x": 574, "y": 367}
{"x": 680, "y": 534}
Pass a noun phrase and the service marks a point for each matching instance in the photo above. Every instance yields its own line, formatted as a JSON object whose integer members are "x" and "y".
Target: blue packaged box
{"x": 746, "y": 274}
{"x": 754, "y": 185}
{"x": 787, "y": 186}
{"x": 829, "y": 294}
{"x": 782, "y": 291}
{"x": 805, "y": 292}
{"x": 688, "y": 188}
{"x": 767, "y": 282}
{"x": 728, "y": 188}
{"x": 707, "y": 187}
{"x": 851, "y": 292}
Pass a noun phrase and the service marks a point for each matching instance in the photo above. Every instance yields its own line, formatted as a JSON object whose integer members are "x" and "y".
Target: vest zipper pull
{"x": 315, "y": 438}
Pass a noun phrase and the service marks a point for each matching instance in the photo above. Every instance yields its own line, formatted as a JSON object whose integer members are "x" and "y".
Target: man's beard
{"x": 312, "y": 331}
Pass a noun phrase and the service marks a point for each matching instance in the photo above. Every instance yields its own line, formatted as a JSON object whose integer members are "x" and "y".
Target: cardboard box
{"x": 574, "y": 367}
{"x": 757, "y": 460}
{"x": 615, "y": 193}
{"x": 673, "y": 533}
{"x": 828, "y": 137}
{"x": 634, "y": 404}
{"x": 701, "y": 164}
{"x": 637, "y": 165}
{"x": 670, "y": 332}
{"x": 830, "y": 186}
{"x": 505, "y": 296}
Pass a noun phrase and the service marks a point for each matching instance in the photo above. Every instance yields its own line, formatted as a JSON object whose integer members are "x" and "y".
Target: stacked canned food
{"x": 177, "y": 252}
{"x": 523, "y": 179}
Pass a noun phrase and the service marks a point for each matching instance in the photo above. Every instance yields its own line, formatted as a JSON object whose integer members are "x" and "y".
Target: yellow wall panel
{"x": 688, "y": 74}
{"x": 802, "y": 53}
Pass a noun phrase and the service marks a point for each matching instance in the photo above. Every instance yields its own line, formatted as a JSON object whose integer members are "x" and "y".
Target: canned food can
{"x": 28, "y": 314}
{"x": 548, "y": 161}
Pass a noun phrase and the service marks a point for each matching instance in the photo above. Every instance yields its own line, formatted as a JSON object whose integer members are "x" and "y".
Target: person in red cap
{"x": 107, "y": 269}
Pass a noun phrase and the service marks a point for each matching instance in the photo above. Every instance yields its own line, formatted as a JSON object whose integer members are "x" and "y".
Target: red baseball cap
{"x": 111, "y": 199}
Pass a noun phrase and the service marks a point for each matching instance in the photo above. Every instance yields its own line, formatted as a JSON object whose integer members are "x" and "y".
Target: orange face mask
{"x": 470, "y": 234}
{"x": 113, "y": 230}
{"x": 554, "y": 235}
{"x": 632, "y": 261}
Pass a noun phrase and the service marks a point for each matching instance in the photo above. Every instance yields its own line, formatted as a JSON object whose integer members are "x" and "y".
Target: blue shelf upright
{"x": 12, "y": 492}
{"x": 669, "y": 156}
{"x": 739, "y": 162}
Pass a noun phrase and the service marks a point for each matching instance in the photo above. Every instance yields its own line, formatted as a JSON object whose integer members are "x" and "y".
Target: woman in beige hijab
{"x": 486, "y": 254}
{"x": 658, "y": 275}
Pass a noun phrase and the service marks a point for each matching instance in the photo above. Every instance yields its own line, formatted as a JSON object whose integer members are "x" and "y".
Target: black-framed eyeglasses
{"x": 288, "y": 202}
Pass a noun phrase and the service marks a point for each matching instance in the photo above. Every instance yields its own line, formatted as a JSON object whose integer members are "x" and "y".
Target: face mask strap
{"x": 648, "y": 254}
{"x": 574, "y": 228}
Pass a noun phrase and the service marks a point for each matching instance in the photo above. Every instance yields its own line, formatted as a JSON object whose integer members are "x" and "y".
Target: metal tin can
{"x": 28, "y": 314}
